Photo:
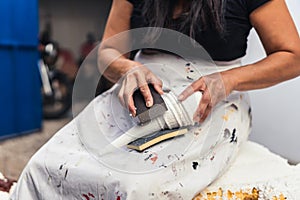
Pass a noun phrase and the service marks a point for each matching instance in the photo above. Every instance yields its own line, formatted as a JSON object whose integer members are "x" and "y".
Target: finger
{"x": 158, "y": 88}
{"x": 186, "y": 93}
{"x": 204, "y": 103}
{"x": 143, "y": 86}
{"x": 147, "y": 95}
{"x": 128, "y": 99}
{"x": 131, "y": 106}
{"x": 121, "y": 96}
{"x": 206, "y": 113}
{"x": 157, "y": 84}
{"x": 200, "y": 113}
{"x": 198, "y": 85}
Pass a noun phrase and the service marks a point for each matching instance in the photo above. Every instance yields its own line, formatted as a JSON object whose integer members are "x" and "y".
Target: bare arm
{"x": 280, "y": 39}
{"x": 110, "y": 50}
{"x": 113, "y": 58}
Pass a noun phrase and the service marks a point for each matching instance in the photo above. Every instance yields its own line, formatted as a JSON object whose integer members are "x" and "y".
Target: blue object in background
{"x": 20, "y": 95}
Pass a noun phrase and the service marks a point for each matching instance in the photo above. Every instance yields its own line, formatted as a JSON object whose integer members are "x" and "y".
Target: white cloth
{"x": 257, "y": 167}
{"x": 70, "y": 165}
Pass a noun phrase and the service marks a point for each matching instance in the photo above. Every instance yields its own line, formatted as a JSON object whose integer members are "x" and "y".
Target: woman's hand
{"x": 214, "y": 88}
{"x": 138, "y": 78}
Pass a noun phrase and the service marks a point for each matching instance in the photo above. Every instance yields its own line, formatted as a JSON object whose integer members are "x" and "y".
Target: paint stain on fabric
{"x": 118, "y": 195}
{"x": 66, "y": 173}
{"x": 87, "y": 196}
{"x": 177, "y": 156}
{"x": 170, "y": 157}
{"x": 226, "y": 133}
{"x": 234, "y": 106}
{"x": 174, "y": 170}
{"x": 125, "y": 125}
{"x": 250, "y": 116}
{"x": 233, "y": 137}
{"x": 103, "y": 115}
{"x": 162, "y": 165}
{"x": 189, "y": 78}
{"x": 197, "y": 131}
{"x": 148, "y": 157}
{"x": 195, "y": 165}
{"x": 249, "y": 111}
{"x": 154, "y": 158}
{"x": 225, "y": 117}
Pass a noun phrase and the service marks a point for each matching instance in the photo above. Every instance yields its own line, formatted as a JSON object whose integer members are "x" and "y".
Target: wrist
{"x": 118, "y": 68}
{"x": 128, "y": 65}
{"x": 229, "y": 81}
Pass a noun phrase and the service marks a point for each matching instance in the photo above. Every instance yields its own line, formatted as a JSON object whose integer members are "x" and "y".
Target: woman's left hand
{"x": 214, "y": 88}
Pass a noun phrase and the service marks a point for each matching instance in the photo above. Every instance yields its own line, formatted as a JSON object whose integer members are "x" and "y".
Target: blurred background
{"x": 42, "y": 44}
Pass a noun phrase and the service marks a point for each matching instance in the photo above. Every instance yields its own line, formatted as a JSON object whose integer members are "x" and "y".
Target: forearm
{"x": 114, "y": 65}
{"x": 274, "y": 69}
{"x": 282, "y": 48}
{"x": 113, "y": 54}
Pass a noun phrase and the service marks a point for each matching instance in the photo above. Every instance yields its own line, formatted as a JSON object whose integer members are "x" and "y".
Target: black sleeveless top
{"x": 232, "y": 44}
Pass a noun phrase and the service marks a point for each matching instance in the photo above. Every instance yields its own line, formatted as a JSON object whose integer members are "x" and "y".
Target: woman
{"x": 65, "y": 169}
{"x": 223, "y": 27}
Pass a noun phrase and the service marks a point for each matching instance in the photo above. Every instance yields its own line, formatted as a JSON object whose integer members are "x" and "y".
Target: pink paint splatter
{"x": 154, "y": 158}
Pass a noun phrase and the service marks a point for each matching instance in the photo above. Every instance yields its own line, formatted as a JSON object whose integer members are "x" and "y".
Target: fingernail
{"x": 196, "y": 118}
{"x": 148, "y": 104}
{"x": 180, "y": 98}
{"x": 132, "y": 114}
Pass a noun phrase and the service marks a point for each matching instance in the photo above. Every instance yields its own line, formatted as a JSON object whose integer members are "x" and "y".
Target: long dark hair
{"x": 200, "y": 15}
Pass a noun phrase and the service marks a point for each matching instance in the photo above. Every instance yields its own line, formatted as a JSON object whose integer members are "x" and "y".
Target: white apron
{"x": 70, "y": 166}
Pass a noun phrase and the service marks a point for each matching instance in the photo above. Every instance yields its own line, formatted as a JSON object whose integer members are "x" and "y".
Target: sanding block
{"x": 145, "y": 114}
{"x": 142, "y": 143}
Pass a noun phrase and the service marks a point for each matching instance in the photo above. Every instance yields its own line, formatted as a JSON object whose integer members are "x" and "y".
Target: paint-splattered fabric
{"x": 70, "y": 165}
{"x": 256, "y": 174}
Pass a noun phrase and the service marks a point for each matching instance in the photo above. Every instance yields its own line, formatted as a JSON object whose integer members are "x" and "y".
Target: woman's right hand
{"x": 138, "y": 78}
